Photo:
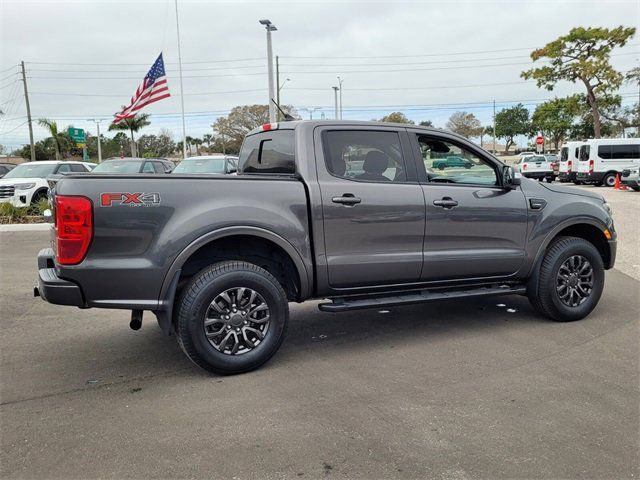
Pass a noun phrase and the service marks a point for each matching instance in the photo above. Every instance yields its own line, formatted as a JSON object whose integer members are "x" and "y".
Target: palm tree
{"x": 132, "y": 124}
{"x": 207, "y": 138}
{"x": 197, "y": 142}
{"x": 56, "y": 137}
{"x": 189, "y": 141}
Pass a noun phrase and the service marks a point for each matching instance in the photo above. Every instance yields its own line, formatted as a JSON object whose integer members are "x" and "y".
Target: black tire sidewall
{"x": 566, "y": 313}
{"x": 278, "y": 311}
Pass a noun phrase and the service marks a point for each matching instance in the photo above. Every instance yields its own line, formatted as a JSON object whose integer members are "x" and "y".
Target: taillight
{"x": 591, "y": 166}
{"x": 74, "y": 228}
{"x": 524, "y": 166}
{"x": 569, "y": 164}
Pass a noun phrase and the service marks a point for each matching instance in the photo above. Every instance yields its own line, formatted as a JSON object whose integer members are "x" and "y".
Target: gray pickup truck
{"x": 350, "y": 212}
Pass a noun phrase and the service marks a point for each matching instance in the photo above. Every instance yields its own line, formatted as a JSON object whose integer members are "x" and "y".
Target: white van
{"x": 603, "y": 158}
{"x": 568, "y": 166}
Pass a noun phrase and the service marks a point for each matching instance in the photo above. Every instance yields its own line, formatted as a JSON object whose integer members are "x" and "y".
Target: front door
{"x": 475, "y": 227}
{"x": 373, "y": 207}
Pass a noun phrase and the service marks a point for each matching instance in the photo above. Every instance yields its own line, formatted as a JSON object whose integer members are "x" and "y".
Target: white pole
{"x": 272, "y": 107}
{"x": 340, "y": 85}
{"x": 335, "y": 101}
{"x": 99, "y": 145}
{"x": 184, "y": 129}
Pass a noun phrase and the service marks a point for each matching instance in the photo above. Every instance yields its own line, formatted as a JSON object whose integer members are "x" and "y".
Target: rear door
{"x": 475, "y": 227}
{"x": 373, "y": 207}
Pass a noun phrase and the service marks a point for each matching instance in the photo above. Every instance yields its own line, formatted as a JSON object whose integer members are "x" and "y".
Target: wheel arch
{"x": 246, "y": 237}
{"x": 590, "y": 230}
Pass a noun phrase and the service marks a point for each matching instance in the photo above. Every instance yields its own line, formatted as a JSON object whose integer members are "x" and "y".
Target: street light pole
{"x": 335, "y": 101}
{"x": 97, "y": 121}
{"x": 270, "y": 27}
{"x": 340, "y": 86}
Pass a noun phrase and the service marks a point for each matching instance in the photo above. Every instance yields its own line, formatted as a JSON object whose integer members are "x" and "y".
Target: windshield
{"x": 535, "y": 158}
{"x": 118, "y": 166}
{"x": 32, "y": 170}
{"x": 201, "y": 165}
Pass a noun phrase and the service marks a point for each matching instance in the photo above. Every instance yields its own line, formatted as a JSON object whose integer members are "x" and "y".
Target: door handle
{"x": 348, "y": 199}
{"x": 446, "y": 202}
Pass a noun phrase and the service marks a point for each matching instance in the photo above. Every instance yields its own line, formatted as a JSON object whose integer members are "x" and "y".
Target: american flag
{"x": 152, "y": 89}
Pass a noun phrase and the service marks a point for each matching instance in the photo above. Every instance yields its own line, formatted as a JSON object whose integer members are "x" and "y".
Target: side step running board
{"x": 343, "y": 304}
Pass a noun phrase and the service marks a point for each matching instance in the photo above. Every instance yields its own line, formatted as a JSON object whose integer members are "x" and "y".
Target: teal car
{"x": 451, "y": 162}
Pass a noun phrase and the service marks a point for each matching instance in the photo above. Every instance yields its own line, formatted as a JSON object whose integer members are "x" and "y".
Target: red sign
{"x": 539, "y": 140}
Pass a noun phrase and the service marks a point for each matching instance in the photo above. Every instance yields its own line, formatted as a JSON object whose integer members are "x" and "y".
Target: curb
{"x": 25, "y": 227}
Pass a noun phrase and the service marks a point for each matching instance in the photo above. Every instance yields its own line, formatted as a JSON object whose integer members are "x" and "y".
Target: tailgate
{"x": 536, "y": 167}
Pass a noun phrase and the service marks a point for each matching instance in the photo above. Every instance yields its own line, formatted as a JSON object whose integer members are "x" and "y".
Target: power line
{"x": 146, "y": 64}
{"x": 445, "y": 54}
{"x": 125, "y": 95}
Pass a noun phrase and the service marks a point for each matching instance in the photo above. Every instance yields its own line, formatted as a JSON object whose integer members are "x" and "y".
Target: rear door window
{"x": 159, "y": 167}
{"x": 372, "y": 156}
{"x": 78, "y": 168}
{"x": 268, "y": 153}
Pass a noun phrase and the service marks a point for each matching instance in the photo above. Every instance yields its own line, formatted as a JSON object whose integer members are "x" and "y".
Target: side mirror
{"x": 510, "y": 178}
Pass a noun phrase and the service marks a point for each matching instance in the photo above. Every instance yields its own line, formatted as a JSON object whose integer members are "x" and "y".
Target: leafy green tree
{"x": 583, "y": 56}
{"x": 133, "y": 125}
{"x": 230, "y": 130}
{"x": 160, "y": 145}
{"x": 197, "y": 142}
{"x": 396, "y": 117}
{"x": 465, "y": 124}
{"x": 511, "y": 122}
{"x": 207, "y": 138}
{"x": 554, "y": 118}
{"x": 426, "y": 123}
{"x": 488, "y": 130}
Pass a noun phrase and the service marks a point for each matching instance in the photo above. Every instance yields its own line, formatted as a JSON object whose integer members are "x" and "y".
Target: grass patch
{"x": 30, "y": 214}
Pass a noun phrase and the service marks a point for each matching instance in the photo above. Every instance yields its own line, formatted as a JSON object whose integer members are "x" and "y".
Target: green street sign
{"x": 77, "y": 135}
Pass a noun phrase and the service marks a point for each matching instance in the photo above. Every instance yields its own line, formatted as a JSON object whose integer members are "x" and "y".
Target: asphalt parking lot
{"x": 451, "y": 390}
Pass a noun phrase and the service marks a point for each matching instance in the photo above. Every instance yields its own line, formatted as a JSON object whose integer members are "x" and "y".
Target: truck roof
{"x": 313, "y": 123}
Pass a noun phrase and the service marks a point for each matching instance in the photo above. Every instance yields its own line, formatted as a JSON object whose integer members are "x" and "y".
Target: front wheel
{"x": 570, "y": 281}
{"x": 232, "y": 317}
{"x": 549, "y": 179}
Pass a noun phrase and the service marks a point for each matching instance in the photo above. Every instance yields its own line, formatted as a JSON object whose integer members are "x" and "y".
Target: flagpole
{"x": 184, "y": 130}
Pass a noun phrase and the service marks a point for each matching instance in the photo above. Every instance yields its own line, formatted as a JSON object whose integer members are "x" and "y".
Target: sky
{"x": 428, "y": 59}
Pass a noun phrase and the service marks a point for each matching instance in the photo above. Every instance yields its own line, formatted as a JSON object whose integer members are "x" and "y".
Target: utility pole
{"x": 278, "y": 84}
{"x": 340, "y": 86}
{"x": 270, "y": 27}
{"x": 97, "y": 121}
{"x": 494, "y": 127}
{"x": 26, "y": 101}
{"x": 335, "y": 101}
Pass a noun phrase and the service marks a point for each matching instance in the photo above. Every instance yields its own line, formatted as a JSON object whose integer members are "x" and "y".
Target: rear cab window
{"x": 271, "y": 152}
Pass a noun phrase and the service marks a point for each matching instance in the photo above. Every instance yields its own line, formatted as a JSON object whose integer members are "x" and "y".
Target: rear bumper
{"x": 567, "y": 176}
{"x": 593, "y": 177}
{"x": 54, "y": 289}
{"x": 538, "y": 174}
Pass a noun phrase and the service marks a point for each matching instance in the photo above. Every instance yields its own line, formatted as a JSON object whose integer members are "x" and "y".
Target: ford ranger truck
{"x": 350, "y": 212}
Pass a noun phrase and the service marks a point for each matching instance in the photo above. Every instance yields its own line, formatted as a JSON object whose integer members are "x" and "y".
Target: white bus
{"x": 603, "y": 158}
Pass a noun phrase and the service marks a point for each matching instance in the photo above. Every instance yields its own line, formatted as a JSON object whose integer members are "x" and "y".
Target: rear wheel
{"x": 570, "y": 281}
{"x": 609, "y": 180}
{"x": 232, "y": 317}
{"x": 549, "y": 179}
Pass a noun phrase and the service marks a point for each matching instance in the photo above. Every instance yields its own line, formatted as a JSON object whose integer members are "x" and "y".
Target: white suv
{"x": 27, "y": 183}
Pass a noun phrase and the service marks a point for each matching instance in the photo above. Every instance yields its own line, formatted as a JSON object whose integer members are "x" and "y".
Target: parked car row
{"x": 28, "y": 183}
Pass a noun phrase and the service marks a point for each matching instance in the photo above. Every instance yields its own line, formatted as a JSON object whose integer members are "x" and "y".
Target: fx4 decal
{"x": 129, "y": 199}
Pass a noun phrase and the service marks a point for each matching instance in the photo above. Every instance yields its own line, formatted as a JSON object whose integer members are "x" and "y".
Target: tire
{"x": 576, "y": 182}
{"x": 441, "y": 166}
{"x": 196, "y": 302}
{"x": 467, "y": 166}
{"x": 40, "y": 195}
{"x": 609, "y": 180}
{"x": 549, "y": 180}
{"x": 548, "y": 301}
{"x": 636, "y": 188}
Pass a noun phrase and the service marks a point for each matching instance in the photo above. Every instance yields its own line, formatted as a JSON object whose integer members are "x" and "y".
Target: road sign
{"x": 539, "y": 141}
{"x": 77, "y": 135}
